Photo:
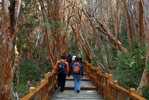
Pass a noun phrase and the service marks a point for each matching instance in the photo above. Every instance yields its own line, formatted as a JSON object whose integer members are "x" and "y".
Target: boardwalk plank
{"x": 83, "y": 95}
{"x": 83, "y": 83}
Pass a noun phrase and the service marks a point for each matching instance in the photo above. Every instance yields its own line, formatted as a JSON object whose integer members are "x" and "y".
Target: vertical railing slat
{"x": 115, "y": 90}
{"x": 105, "y": 87}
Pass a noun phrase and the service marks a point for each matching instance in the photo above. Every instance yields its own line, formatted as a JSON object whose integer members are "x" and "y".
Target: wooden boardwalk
{"x": 106, "y": 86}
{"x": 88, "y": 91}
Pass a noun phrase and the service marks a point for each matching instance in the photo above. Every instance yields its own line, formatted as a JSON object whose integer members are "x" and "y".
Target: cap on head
{"x": 73, "y": 57}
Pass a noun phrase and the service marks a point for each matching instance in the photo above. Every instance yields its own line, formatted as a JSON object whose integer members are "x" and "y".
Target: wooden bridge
{"x": 94, "y": 86}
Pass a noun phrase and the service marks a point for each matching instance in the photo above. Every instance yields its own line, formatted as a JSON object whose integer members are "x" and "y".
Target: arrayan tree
{"x": 145, "y": 76}
{"x": 10, "y": 12}
{"x": 99, "y": 29}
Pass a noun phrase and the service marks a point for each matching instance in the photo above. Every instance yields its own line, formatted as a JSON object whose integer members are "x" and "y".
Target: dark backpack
{"x": 62, "y": 67}
{"x": 76, "y": 68}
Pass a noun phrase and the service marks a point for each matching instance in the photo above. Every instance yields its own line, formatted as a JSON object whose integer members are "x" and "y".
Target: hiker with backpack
{"x": 62, "y": 69}
{"x": 77, "y": 72}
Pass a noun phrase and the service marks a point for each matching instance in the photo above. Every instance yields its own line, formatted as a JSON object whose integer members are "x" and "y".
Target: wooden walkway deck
{"x": 88, "y": 91}
{"x": 105, "y": 85}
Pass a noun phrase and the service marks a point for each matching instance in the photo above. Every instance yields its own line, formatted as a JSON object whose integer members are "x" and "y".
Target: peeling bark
{"x": 144, "y": 79}
{"x": 140, "y": 22}
{"x": 112, "y": 37}
{"x": 129, "y": 34}
{"x": 100, "y": 43}
{"x": 8, "y": 29}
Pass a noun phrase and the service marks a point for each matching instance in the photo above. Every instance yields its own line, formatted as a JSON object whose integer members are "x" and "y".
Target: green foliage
{"x": 146, "y": 91}
{"x": 22, "y": 89}
{"x": 30, "y": 71}
{"x": 84, "y": 55}
{"x": 130, "y": 69}
{"x": 148, "y": 66}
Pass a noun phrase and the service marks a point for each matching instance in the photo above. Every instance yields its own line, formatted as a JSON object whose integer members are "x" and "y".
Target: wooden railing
{"x": 109, "y": 89}
{"x": 45, "y": 90}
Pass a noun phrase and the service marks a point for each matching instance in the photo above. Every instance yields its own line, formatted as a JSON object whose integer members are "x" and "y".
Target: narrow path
{"x": 88, "y": 91}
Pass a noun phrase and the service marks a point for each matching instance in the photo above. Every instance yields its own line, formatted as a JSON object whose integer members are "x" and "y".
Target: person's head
{"x": 77, "y": 59}
{"x": 80, "y": 58}
{"x": 69, "y": 56}
{"x": 63, "y": 57}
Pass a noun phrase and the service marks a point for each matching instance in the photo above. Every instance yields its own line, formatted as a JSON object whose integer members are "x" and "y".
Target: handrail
{"x": 109, "y": 89}
{"x": 45, "y": 90}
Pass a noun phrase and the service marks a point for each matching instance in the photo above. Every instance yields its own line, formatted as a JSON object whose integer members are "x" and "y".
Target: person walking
{"x": 62, "y": 69}
{"x": 69, "y": 60}
{"x": 77, "y": 74}
{"x": 70, "y": 67}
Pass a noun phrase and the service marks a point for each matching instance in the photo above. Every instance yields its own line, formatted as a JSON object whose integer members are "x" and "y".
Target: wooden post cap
{"x": 46, "y": 76}
{"x": 115, "y": 82}
{"x": 132, "y": 91}
{"x": 32, "y": 89}
{"x": 49, "y": 73}
{"x": 106, "y": 74}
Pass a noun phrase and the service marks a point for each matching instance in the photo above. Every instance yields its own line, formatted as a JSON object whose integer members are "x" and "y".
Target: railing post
{"x": 32, "y": 90}
{"x": 97, "y": 70}
{"x": 100, "y": 78}
{"x": 110, "y": 82}
{"x": 131, "y": 91}
{"x": 105, "y": 87}
{"x": 121, "y": 95}
{"x": 95, "y": 77}
{"x": 98, "y": 74}
{"x": 53, "y": 75}
{"x": 89, "y": 70}
{"x": 92, "y": 75}
{"x": 115, "y": 91}
{"x": 85, "y": 65}
{"x": 46, "y": 87}
{"x": 49, "y": 73}
{"x": 86, "y": 68}
{"x": 40, "y": 94}
{"x": 46, "y": 76}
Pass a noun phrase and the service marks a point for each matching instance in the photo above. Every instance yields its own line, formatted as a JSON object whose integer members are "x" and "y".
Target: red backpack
{"x": 76, "y": 68}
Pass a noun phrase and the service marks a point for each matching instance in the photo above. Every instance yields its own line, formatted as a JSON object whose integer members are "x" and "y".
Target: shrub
{"x": 130, "y": 69}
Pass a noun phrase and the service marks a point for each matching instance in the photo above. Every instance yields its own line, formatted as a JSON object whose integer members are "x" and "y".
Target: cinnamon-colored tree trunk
{"x": 113, "y": 38}
{"x": 144, "y": 79}
{"x": 100, "y": 43}
{"x": 129, "y": 34}
{"x": 8, "y": 30}
{"x": 140, "y": 22}
{"x": 58, "y": 17}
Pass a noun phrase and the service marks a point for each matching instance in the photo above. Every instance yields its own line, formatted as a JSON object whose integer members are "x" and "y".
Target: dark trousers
{"x": 61, "y": 81}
